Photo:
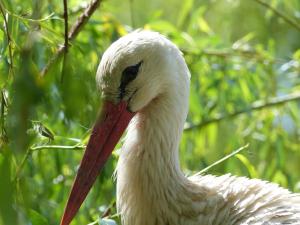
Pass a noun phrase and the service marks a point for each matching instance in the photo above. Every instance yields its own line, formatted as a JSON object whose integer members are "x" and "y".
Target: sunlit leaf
{"x": 36, "y": 218}
{"x": 184, "y": 12}
{"x": 251, "y": 169}
{"x": 203, "y": 25}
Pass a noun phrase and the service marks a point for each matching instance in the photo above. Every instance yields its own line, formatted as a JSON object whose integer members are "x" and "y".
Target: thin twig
{"x": 280, "y": 14}
{"x": 66, "y": 26}
{"x": 242, "y": 53}
{"x": 226, "y": 53}
{"x": 3, "y": 106}
{"x": 74, "y": 31}
{"x": 2, "y": 109}
{"x": 222, "y": 160}
{"x": 65, "y": 147}
{"x": 19, "y": 169}
{"x": 42, "y": 147}
{"x": 258, "y": 105}
{"x": 74, "y": 11}
{"x": 93, "y": 223}
{"x": 66, "y": 44}
{"x": 9, "y": 40}
{"x": 108, "y": 210}
{"x": 49, "y": 17}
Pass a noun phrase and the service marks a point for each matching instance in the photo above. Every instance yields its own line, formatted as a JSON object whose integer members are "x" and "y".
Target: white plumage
{"x": 151, "y": 189}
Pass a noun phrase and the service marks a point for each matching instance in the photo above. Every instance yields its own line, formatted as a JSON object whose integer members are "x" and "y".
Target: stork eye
{"x": 128, "y": 75}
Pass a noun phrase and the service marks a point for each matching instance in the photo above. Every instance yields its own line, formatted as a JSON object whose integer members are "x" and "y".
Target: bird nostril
{"x": 128, "y": 109}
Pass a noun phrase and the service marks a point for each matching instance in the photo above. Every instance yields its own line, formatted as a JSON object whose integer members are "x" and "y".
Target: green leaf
{"x": 296, "y": 55}
{"x": 251, "y": 169}
{"x": 280, "y": 178}
{"x": 185, "y": 10}
{"x": 203, "y": 25}
{"x": 36, "y": 218}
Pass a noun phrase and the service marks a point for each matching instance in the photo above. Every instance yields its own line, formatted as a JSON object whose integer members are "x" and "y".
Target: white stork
{"x": 144, "y": 79}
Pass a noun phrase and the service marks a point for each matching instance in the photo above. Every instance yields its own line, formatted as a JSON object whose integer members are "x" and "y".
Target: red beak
{"x": 105, "y": 135}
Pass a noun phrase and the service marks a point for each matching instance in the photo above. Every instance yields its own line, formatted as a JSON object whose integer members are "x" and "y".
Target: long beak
{"x": 105, "y": 135}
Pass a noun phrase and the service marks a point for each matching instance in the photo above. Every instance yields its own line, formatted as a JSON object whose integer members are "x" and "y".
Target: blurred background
{"x": 244, "y": 57}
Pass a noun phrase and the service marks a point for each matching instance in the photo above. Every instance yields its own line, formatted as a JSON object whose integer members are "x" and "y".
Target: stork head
{"x": 134, "y": 70}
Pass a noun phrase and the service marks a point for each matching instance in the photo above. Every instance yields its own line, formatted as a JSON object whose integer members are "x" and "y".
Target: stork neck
{"x": 149, "y": 178}
{"x": 153, "y": 138}
{"x": 149, "y": 174}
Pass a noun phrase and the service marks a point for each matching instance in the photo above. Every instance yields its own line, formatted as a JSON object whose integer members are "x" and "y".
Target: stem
{"x": 42, "y": 147}
{"x": 9, "y": 40}
{"x": 49, "y": 17}
{"x": 74, "y": 31}
{"x": 280, "y": 14}
{"x": 258, "y": 105}
{"x": 27, "y": 154}
{"x": 65, "y": 147}
{"x": 226, "y": 53}
{"x": 222, "y": 160}
{"x": 66, "y": 44}
{"x": 66, "y": 26}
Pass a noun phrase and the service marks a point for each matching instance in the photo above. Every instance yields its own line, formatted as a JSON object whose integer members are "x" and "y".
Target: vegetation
{"x": 244, "y": 57}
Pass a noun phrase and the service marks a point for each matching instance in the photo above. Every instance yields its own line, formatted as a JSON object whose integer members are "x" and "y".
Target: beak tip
{"x": 68, "y": 216}
{"x": 64, "y": 220}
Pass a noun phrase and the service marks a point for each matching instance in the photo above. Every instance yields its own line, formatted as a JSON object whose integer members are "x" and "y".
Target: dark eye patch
{"x": 128, "y": 75}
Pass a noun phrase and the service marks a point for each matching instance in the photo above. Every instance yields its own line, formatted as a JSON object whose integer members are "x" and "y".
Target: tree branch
{"x": 258, "y": 105}
{"x": 3, "y": 106}
{"x": 242, "y": 53}
{"x": 9, "y": 40}
{"x": 280, "y": 14}
{"x": 74, "y": 31}
{"x": 226, "y": 53}
{"x": 66, "y": 44}
{"x": 66, "y": 26}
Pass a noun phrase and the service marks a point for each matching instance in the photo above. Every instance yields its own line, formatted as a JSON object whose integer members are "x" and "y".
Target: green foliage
{"x": 107, "y": 222}
{"x": 242, "y": 55}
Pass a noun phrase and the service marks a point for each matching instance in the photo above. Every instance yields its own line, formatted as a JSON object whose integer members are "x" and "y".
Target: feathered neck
{"x": 149, "y": 178}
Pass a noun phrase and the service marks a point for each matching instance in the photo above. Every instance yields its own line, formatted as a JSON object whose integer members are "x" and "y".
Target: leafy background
{"x": 244, "y": 56}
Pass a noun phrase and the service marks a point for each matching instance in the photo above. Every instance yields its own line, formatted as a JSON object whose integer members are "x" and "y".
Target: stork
{"x": 144, "y": 80}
